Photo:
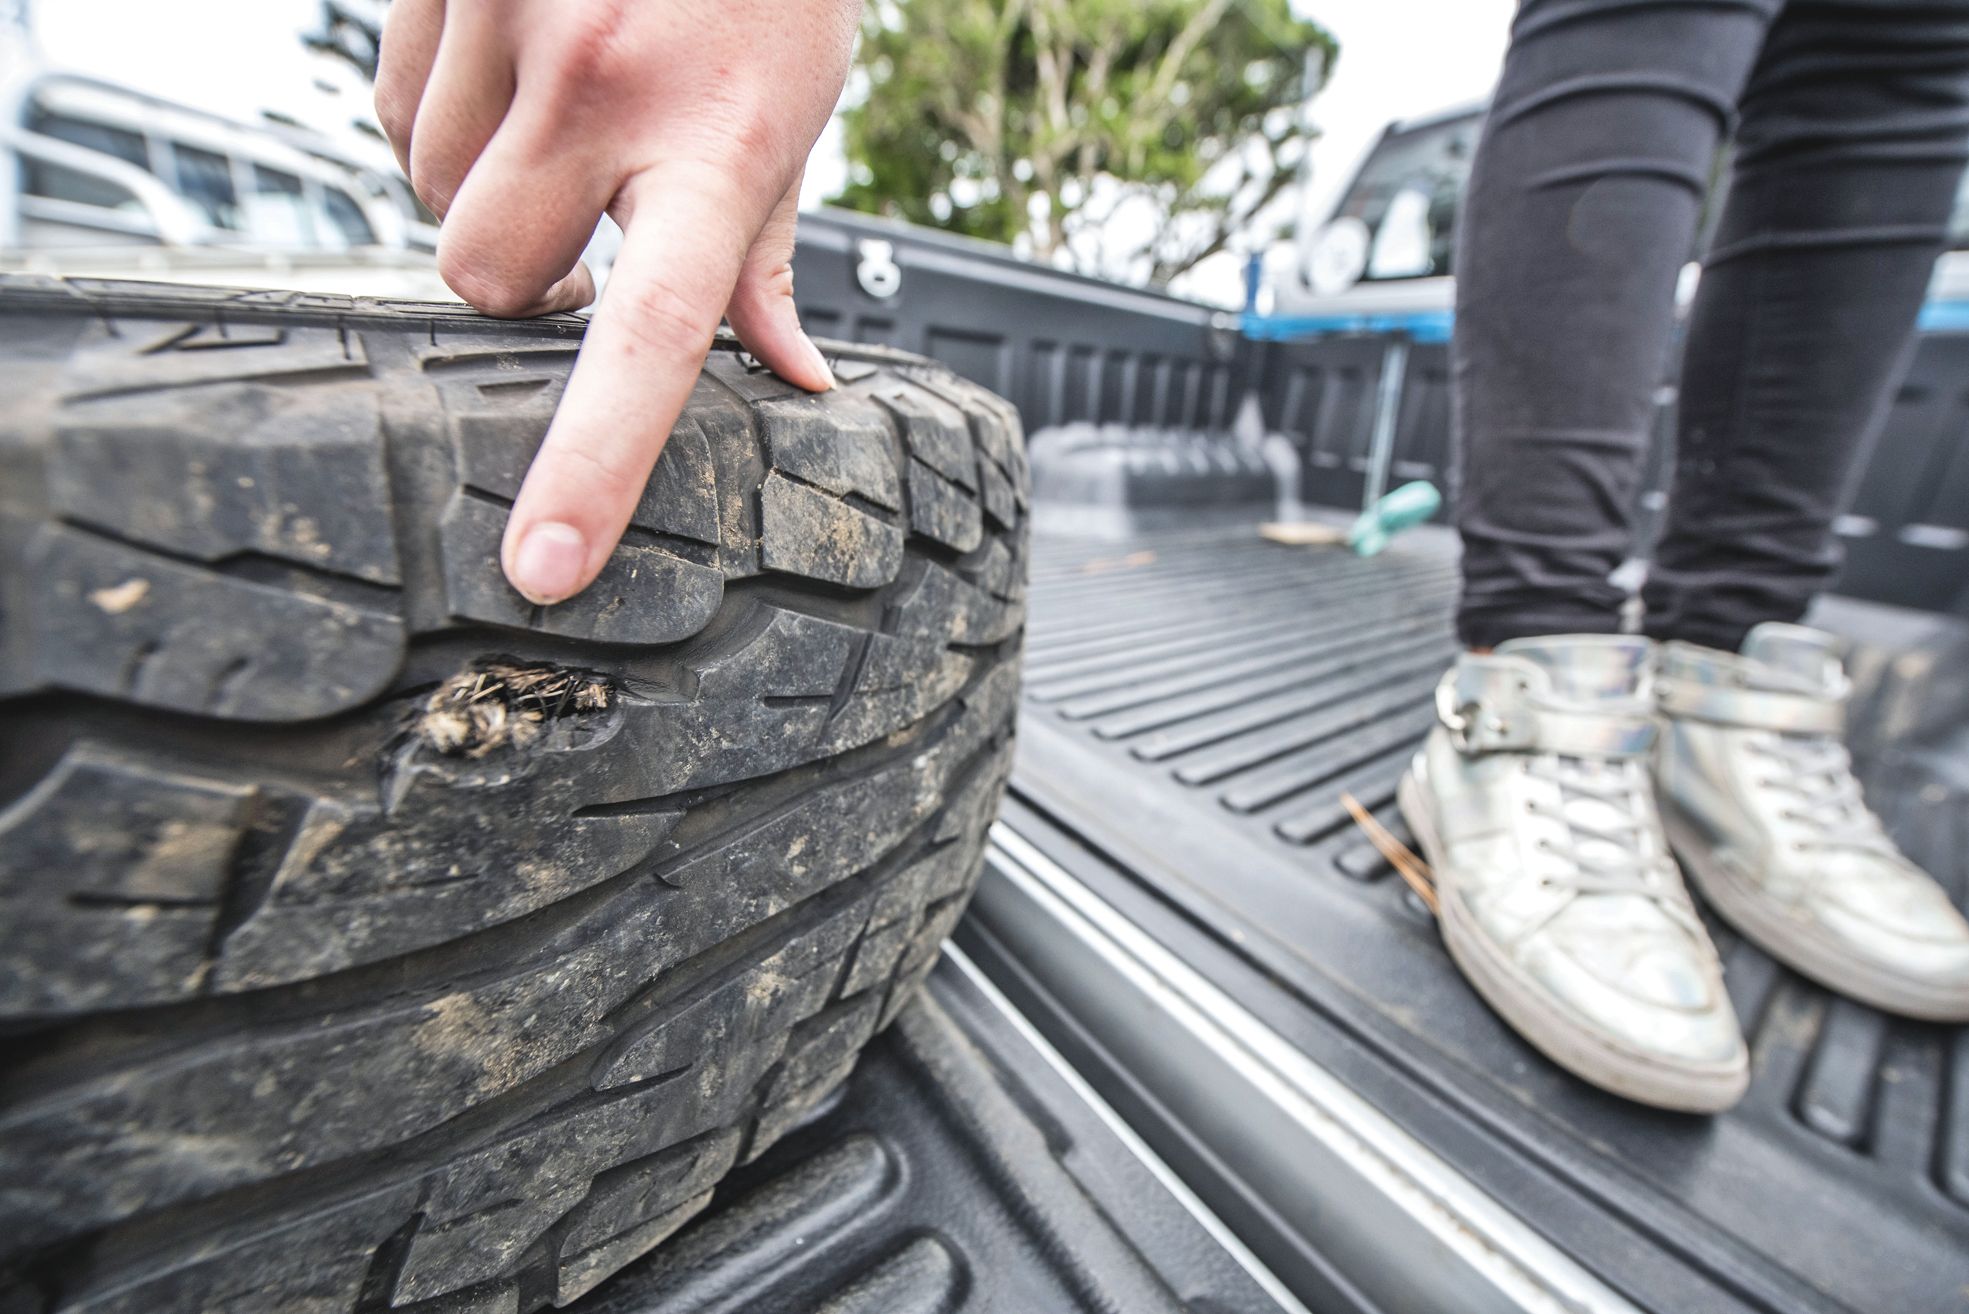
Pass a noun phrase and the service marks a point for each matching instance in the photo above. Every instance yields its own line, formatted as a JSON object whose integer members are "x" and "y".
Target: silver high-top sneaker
{"x": 1560, "y": 901}
{"x": 1758, "y": 795}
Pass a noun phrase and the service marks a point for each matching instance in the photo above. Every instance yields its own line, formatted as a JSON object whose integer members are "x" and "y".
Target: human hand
{"x": 521, "y": 122}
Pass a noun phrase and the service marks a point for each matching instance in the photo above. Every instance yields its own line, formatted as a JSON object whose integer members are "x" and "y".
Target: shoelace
{"x": 1610, "y": 857}
{"x": 1818, "y": 772}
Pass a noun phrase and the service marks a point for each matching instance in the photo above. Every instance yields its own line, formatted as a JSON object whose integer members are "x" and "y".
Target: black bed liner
{"x": 1196, "y": 705}
{"x": 956, "y": 1172}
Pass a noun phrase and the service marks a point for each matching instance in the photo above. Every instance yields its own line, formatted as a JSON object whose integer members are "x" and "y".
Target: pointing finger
{"x": 684, "y": 241}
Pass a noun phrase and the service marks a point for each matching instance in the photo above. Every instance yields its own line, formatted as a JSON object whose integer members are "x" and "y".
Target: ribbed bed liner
{"x": 1197, "y": 704}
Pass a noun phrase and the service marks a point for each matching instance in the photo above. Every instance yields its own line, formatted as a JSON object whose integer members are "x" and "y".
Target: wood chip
{"x": 1403, "y": 859}
{"x": 1303, "y": 533}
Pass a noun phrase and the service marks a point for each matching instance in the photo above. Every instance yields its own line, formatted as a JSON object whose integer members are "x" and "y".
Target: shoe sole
{"x": 1793, "y": 943}
{"x": 1588, "y": 1054}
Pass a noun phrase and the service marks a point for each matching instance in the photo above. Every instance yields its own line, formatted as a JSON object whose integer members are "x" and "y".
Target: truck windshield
{"x": 1409, "y": 189}
{"x": 1406, "y": 195}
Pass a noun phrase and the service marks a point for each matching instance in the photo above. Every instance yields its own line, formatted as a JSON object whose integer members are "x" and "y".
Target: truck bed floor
{"x": 1196, "y": 705}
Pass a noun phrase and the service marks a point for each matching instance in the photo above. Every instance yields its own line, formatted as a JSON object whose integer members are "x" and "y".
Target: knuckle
{"x": 657, "y": 315}
{"x": 741, "y": 133}
{"x": 394, "y": 113}
{"x": 761, "y": 136}
{"x": 596, "y": 53}
{"x": 776, "y": 280}
{"x": 757, "y": 136}
{"x": 483, "y": 287}
{"x": 767, "y": 284}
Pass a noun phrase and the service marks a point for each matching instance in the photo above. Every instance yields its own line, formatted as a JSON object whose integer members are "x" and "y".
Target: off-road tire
{"x": 373, "y": 939}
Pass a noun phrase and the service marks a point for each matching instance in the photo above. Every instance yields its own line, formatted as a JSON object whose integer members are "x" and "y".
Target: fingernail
{"x": 820, "y": 361}
{"x": 548, "y": 566}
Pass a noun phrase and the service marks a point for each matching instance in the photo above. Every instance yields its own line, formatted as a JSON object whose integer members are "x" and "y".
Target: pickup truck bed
{"x": 1196, "y": 703}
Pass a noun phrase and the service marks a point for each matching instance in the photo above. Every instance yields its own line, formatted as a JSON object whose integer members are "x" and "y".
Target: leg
{"x": 1582, "y": 208}
{"x": 1852, "y": 143}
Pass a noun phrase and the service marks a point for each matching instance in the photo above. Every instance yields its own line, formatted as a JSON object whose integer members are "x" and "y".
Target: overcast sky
{"x": 235, "y": 57}
{"x": 1398, "y": 59}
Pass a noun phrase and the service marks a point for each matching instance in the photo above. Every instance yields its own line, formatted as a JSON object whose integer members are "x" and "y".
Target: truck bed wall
{"x": 1066, "y": 348}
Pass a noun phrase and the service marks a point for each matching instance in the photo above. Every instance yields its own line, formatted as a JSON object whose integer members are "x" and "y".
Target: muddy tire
{"x": 373, "y": 939}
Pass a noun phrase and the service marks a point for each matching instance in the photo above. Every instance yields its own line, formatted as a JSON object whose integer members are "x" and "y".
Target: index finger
{"x": 681, "y": 256}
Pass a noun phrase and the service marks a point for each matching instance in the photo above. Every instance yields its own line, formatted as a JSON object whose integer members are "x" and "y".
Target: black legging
{"x": 1851, "y": 126}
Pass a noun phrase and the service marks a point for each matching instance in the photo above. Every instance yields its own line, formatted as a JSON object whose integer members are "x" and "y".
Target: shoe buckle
{"x": 1459, "y": 718}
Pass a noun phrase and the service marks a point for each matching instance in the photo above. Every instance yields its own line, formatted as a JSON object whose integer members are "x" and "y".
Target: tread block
{"x": 821, "y": 1044}
{"x": 499, "y": 1298}
{"x": 114, "y": 620}
{"x": 173, "y": 842}
{"x": 840, "y": 445}
{"x": 771, "y": 705}
{"x": 995, "y": 493}
{"x": 939, "y": 603}
{"x": 61, "y": 959}
{"x": 947, "y": 870}
{"x": 682, "y": 496}
{"x": 849, "y": 370}
{"x": 1000, "y": 573}
{"x": 639, "y": 1193}
{"x": 901, "y": 680}
{"x": 445, "y": 1257}
{"x": 994, "y": 423}
{"x": 742, "y": 375}
{"x": 785, "y": 1113}
{"x": 876, "y": 957}
{"x": 936, "y": 434}
{"x": 579, "y": 1274}
{"x": 804, "y": 531}
{"x": 210, "y": 1121}
{"x": 420, "y": 871}
{"x": 673, "y": 598}
{"x": 794, "y": 655}
{"x": 843, "y": 826}
{"x": 511, "y": 353}
{"x": 148, "y": 355}
{"x": 497, "y": 423}
{"x": 937, "y": 925}
{"x": 291, "y": 475}
{"x": 819, "y": 1197}
{"x": 973, "y": 804}
{"x": 940, "y": 510}
{"x": 480, "y": 1215}
{"x": 100, "y": 916}
{"x": 730, "y": 1015}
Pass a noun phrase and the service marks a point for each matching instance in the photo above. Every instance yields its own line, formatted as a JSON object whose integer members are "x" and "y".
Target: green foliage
{"x": 1043, "y": 119}
{"x": 350, "y": 30}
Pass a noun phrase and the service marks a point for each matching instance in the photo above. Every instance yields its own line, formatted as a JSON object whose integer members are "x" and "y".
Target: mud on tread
{"x": 376, "y": 940}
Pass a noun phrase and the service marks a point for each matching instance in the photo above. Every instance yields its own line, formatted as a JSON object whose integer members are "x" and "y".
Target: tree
{"x": 1117, "y": 136}
{"x": 351, "y": 31}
